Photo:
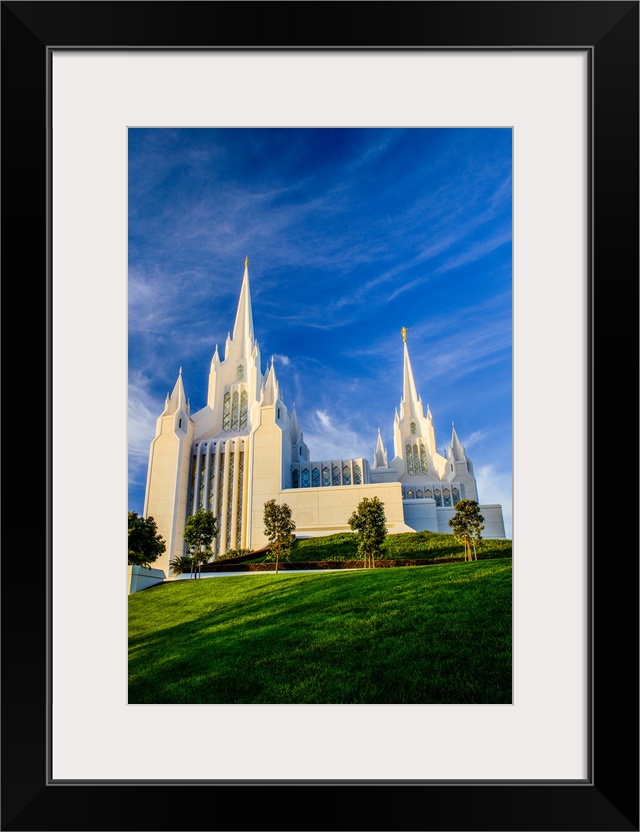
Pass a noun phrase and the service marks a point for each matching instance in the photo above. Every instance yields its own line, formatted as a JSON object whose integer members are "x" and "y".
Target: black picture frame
{"x": 608, "y": 798}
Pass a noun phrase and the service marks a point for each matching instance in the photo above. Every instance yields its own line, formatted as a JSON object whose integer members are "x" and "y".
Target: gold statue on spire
{"x": 246, "y": 261}
{"x": 404, "y": 331}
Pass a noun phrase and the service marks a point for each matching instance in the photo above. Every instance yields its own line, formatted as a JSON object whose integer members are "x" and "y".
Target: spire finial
{"x": 180, "y": 371}
{"x": 404, "y": 331}
{"x": 246, "y": 262}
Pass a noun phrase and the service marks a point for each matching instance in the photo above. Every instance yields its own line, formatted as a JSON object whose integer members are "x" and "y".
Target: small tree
{"x": 199, "y": 531}
{"x": 145, "y": 544}
{"x": 370, "y": 523}
{"x": 279, "y": 528}
{"x": 467, "y": 524}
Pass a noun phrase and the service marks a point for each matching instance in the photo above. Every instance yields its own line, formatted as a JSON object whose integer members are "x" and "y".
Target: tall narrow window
{"x": 230, "y": 500}
{"x": 413, "y": 427}
{"x": 305, "y": 478}
{"x": 326, "y": 478}
{"x": 244, "y": 405}
{"x": 416, "y": 460}
{"x": 315, "y": 478}
{"x": 357, "y": 474}
{"x": 203, "y": 464}
{"x": 220, "y": 501}
{"x": 234, "y": 412}
{"x": 409, "y": 460}
{"x": 226, "y": 411}
{"x": 240, "y": 490}
{"x": 455, "y": 493}
{"x": 437, "y": 497}
{"x": 447, "y": 497}
{"x": 240, "y": 373}
{"x": 423, "y": 459}
{"x": 346, "y": 475}
{"x": 335, "y": 475}
{"x": 212, "y": 467}
{"x": 295, "y": 478}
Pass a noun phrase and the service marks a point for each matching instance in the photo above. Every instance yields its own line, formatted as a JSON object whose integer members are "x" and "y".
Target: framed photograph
{"x": 561, "y": 79}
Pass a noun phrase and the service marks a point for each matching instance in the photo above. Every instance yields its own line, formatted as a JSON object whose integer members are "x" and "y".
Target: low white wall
{"x": 493, "y": 521}
{"x": 142, "y": 577}
{"x": 421, "y": 515}
{"x": 319, "y": 511}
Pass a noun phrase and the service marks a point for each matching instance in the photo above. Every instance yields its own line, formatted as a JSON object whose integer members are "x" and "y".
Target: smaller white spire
{"x": 457, "y": 448}
{"x": 380, "y": 458}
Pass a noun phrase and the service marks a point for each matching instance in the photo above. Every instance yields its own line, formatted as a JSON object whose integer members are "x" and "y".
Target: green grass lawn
{"x": 416, "y": 635}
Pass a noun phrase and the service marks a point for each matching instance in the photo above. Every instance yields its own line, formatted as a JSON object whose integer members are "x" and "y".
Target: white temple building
{"x": 245, "y": 447}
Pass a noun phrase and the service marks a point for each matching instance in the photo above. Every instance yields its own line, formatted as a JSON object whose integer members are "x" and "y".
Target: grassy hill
{"x": 410, "y": 546}
{"x": 389, "y": 636}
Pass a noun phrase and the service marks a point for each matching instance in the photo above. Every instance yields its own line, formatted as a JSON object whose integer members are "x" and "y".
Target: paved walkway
{"x": 188, "y": 577}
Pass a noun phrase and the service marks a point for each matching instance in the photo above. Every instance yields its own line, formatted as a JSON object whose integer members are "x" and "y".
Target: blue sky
{"x": 351, "y": 234}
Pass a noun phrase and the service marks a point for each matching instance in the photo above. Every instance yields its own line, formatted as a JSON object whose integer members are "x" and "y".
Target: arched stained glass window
{"x": 346, "y": 475}
{"x": 416, "y": 460}
{"x": 305, "y": 478}
{"x": 295, "y": 478}
{"x": 335, "y": 475}
{"x": 226, "y": 411}
{"x": 240, "y": 373}
{"x": 326, "y": 476}
{"x": 244, "y": 404}
{"x": 234, "y": 412}
{"x": 409, "y": 460}
{"x": 447, "y": 497}
{"x": 423, "y": 459}
{"x": 455, "y": 493}
{"x": 428, "y": 494}
{"x": 437, "y": 496}
{"x": 410, "y": 494}
{"x": 357, "y": 474}
{"x": 315, "y": 478}
{"x": 413, "y": 427}
{"x": 419, "y": 494}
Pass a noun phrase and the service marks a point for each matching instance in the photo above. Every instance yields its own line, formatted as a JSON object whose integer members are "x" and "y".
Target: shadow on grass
{"x": 414, "y": 636}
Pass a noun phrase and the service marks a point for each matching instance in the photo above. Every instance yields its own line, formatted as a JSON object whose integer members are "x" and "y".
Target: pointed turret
{"x": 177, "y": 398}
{"x": 295, "y": 428}
{"x": 270, "y": 391}
{"x": 456, "y": 452}
{"x": 380, "y": 458}
{"x": 243, "y": 326}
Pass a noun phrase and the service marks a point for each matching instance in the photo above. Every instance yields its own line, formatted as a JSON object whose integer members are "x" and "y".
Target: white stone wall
{"x": 493, "y": 521}
{"x": 421, "y": 515}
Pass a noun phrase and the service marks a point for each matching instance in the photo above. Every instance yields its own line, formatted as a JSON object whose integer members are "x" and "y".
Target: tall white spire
{"x": 243, "y": 326}
{"x": 411, "y": 402}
